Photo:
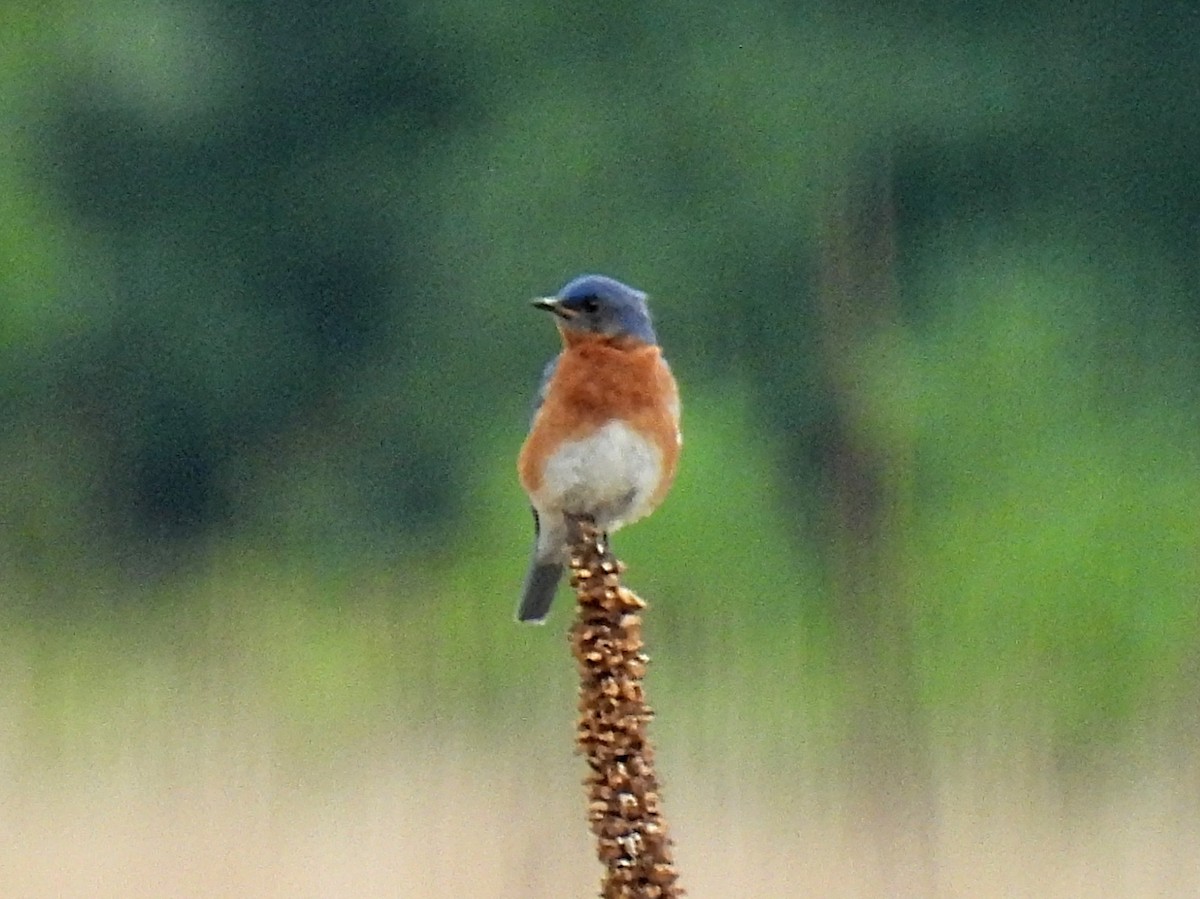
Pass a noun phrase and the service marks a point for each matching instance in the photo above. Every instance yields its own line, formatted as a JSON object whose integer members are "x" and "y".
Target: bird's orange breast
{"x": 597, "y": 381}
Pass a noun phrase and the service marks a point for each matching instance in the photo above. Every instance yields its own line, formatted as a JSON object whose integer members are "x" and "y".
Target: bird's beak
{"x": 551, "y": 304}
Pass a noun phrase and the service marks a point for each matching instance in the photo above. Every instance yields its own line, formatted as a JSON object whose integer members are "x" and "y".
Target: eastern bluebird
{"x": 605, "y": 438}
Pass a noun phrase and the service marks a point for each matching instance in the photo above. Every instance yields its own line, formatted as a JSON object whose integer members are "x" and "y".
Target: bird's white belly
{"x": 610, "y": 475}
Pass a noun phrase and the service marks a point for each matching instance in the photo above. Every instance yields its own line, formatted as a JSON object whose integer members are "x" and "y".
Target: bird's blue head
{"x": 595, "y": 304}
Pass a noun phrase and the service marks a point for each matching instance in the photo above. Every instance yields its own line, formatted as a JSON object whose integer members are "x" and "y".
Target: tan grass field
{"x": 200, "y": 812}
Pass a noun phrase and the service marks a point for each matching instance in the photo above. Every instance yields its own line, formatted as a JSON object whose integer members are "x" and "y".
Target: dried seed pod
{"x": 624, "y": 807}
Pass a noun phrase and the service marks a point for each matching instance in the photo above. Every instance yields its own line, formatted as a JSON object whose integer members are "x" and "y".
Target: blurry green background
{"x": 928, "y": 276}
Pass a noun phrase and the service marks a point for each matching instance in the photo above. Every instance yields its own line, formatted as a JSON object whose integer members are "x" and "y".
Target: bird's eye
{"x": 589, "y": 305}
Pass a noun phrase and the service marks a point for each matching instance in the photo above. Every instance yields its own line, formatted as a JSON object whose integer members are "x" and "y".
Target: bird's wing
{"x": 547, "y": 374}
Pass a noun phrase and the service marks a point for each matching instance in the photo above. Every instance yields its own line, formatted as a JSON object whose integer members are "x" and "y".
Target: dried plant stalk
{"x": 624, "y": 808}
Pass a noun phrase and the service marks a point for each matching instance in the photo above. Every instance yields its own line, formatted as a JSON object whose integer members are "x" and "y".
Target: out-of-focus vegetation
{"x": 928, "y": 277}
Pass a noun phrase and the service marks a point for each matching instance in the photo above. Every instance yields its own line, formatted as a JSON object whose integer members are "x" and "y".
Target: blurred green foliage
{"x": 264, "y": 274}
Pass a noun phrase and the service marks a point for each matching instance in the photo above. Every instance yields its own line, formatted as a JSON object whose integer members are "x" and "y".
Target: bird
{"x": 604, "y": 441}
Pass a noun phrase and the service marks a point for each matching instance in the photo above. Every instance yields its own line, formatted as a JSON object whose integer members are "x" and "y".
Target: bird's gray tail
{"x": 540, "y": 586}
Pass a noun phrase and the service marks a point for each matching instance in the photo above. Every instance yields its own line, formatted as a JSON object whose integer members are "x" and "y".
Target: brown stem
{"x": 624, "y": 808}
